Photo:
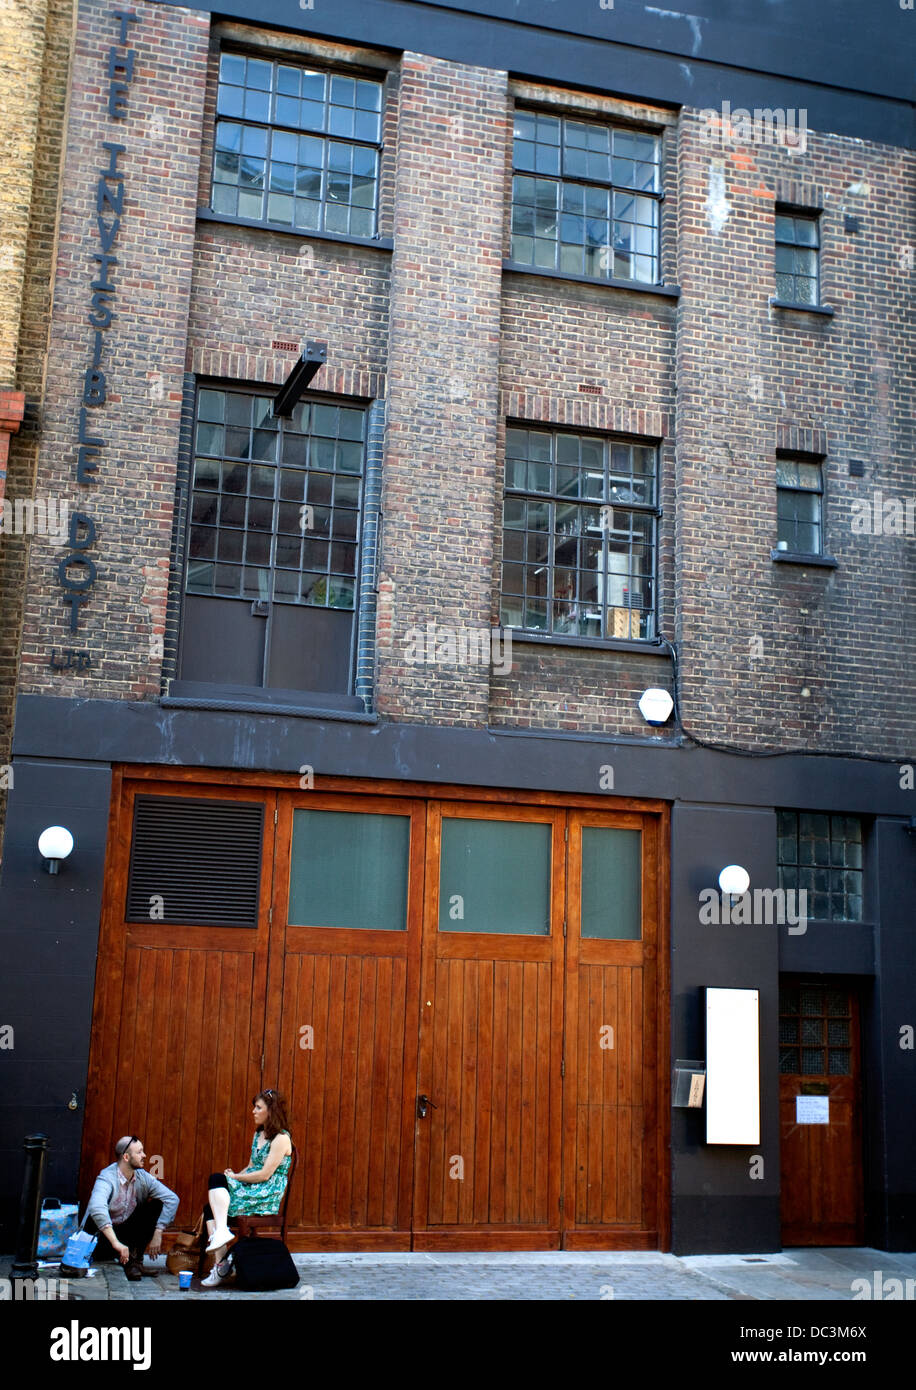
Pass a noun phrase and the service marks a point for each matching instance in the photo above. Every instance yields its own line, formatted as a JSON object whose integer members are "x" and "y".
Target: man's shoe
{"x": 134, "y": 1270}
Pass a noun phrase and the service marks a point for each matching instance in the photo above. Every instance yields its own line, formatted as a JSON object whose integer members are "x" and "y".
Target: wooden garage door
{"x": 461, "y": 1000}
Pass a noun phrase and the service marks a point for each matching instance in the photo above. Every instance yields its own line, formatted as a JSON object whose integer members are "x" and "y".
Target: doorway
{"x": 820, "y": 1113}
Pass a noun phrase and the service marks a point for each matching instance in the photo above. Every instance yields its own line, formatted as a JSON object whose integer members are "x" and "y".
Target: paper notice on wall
{"x": 812, "y": 1110}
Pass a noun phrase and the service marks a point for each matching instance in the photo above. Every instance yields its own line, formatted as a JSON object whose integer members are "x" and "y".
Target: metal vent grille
{"x": 195, "y": 863}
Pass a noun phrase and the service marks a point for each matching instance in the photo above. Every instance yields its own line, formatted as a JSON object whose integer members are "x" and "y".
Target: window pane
{"x": 611, "y": 879}
{"x": 349, "y": 869}
{"x": 495, "y": 877}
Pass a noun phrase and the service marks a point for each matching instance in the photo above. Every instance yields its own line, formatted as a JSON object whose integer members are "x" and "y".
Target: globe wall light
{"x": 54, "y": 844}
{"x": 655, "y": 706}
{"x": 734, "y": 880}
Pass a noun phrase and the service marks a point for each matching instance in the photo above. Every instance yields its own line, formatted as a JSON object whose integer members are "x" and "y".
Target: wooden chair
{"x": 250, "y": 1225}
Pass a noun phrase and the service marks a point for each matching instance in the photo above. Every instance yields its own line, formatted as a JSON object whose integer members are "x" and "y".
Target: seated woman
{"x": 256, "y": 1192}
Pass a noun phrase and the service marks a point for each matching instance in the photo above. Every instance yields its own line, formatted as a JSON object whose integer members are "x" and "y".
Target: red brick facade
{"x": 717, "y": 377}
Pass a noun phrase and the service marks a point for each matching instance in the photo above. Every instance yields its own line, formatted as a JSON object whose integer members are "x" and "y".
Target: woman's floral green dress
{"x": 259, "y": 1198}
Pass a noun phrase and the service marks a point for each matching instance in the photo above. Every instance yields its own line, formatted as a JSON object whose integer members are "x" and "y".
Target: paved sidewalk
{"x": 798, "y": 1275}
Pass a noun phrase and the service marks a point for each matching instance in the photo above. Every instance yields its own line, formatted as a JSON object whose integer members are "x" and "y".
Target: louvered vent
{"x": 195, "y": 862}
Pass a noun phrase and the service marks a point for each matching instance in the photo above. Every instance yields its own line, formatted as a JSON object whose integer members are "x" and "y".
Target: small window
{"x": 821, "y": 855}
{"x": 494, "y": 876}
{"x": 799, "y": 506}
{"x": 349, "y": 869}
{"x": 296, "y": 147}
{"x": 797, "y": 244}
{"x": 585, "y": 198}
{"x": 579, "y": 519}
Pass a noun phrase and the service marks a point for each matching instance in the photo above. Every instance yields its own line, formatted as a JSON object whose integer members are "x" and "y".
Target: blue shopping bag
{"x": 79, "y": 1250}
{"x": 57, "y": 1223}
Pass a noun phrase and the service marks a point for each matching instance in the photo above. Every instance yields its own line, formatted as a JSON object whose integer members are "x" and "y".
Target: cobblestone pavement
{"x": 798, "y": 1275}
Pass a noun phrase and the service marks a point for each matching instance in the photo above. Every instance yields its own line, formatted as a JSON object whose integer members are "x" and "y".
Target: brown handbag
{"x": 185, "y": 1251}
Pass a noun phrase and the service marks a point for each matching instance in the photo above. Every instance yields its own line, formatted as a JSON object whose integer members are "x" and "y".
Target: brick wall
{"x": 35, "y": 41}
{"x": 755, "y": 635}
{"x": 441, "y": 455}
{"x": 132, "y": 498}
{"x": 719, "y": 378}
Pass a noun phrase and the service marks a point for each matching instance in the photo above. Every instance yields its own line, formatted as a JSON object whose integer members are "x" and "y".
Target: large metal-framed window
{"x": 585, "y": 198}
{"x": 799, "y": 506}
{"x": 822, "y": 855}
{"x": 296, "y": 146}
{"x": 797, "y": 247}
{"x": 275, "y": 504}
{"x": 579, "y": 535}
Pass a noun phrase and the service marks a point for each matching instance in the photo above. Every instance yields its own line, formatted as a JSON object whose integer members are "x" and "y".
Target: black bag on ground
{"x": 261, "y": 1265}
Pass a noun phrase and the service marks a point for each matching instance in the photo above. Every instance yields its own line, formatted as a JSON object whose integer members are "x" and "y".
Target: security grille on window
{"x": 799, "y": 500}
{"x": 296, "y": 147}
{"x": 797, "y": 243}
{"x": 579, "y": 541}
{"x": 822, "y": 855}
{"x": 585, "y": 198}
{"x": 275, "y": 503}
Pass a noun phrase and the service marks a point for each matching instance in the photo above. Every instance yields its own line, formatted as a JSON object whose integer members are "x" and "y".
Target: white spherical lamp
{"x": 54, "y": 844}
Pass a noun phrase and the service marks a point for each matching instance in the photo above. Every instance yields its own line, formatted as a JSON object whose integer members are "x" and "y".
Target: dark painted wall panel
{"x": 741, "y": 1212}
{"x": 49, "y": 931}
{"x": 753, "y": 56}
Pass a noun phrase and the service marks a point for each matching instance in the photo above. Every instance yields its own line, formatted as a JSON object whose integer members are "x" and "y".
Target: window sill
{"x": 197, "y": 695}
{"x": 646, "y": 647}
{"x": 823, "y": 309}
{"x": 791, "y": 557}
{"x": 371, "y": 243}
{"x": 633, "y": 286}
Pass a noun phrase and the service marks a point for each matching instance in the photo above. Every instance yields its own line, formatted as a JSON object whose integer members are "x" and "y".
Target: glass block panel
{"x": 812, "y": 1000}
{"x": 812, "y": 1061}
{"x": 495, "y": 877}
{"x": 611, "y": 883}
{"x": 837, "y": 1003}
{"x": 812, "y": 1031}
{"x": 788, "y": 1000}
{"x": 839, "y": 1063}
{"x": 349, "y": 869}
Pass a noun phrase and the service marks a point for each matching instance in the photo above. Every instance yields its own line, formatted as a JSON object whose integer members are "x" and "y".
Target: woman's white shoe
{"x": 221, "y": 1236}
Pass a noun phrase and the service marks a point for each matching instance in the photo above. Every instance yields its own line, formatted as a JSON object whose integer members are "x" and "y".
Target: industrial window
{"x": 799, "y": 506}
{"x": 797, "y": 243}
{"x": 579, "y": 537}
{"x": 296, "y": 147}
{"x": 585, "y": 198}
{"x": 821, "y": 855}
{"x": 275, "y": 503}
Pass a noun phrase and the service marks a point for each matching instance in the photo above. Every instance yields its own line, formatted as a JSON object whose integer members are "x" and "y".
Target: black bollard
{"x": 25, "y": 1265}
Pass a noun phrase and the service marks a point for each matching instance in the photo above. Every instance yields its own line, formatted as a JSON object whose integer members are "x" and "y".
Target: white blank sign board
{"x": 732, "y": 1066}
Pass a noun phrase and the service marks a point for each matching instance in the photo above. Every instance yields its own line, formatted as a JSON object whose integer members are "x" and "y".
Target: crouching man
{"x": 130, "y": 1208}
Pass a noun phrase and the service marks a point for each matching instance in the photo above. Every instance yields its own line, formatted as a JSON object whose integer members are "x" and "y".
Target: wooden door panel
{"x": 488, "y": 1149}
{"x": 178, "y": 1027}
{"x": 491, "y": 1052}
{"x": 348, "y": 1088}
{"x": 609, "y": 1097}
{"x": 612, "y": 1148}
{"x": 351, "y": 1078}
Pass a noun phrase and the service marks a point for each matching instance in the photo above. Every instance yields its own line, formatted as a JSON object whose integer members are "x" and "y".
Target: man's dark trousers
{"x": 136, "y": 1232}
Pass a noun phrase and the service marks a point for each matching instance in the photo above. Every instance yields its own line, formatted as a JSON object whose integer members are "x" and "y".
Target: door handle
{"x": 422, "y": 1103}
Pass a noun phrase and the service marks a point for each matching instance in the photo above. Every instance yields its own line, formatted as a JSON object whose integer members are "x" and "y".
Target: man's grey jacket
{"x": 148, "y": 1187}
